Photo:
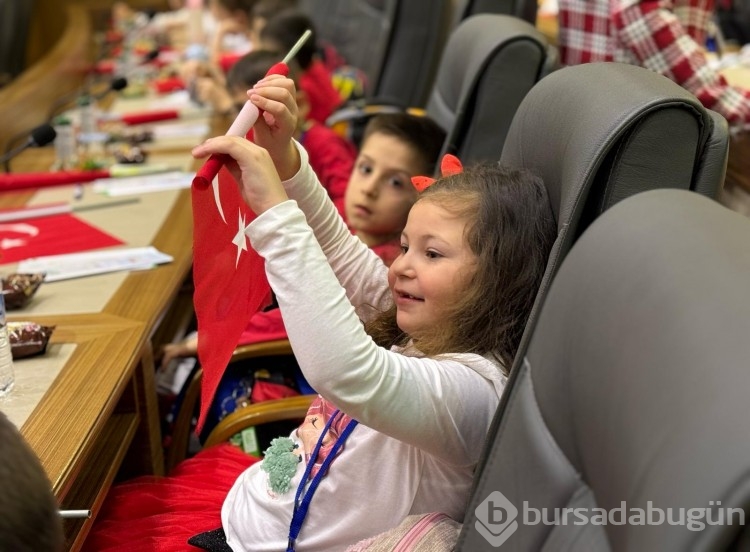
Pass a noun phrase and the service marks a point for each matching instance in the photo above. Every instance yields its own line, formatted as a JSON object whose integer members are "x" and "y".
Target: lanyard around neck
{"x": 301, "y": 507}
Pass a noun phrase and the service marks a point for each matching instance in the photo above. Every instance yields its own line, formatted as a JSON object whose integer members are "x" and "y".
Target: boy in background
{"x": 280, "y": 33}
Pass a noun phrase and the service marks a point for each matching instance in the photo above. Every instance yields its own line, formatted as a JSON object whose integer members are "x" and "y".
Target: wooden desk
{"x": 99, "y": 416}
{"x": 88, "y": 407}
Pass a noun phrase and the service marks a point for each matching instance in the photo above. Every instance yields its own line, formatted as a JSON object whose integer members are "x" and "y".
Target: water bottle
{"x": 65, "y": 144}
{"x": 7, "y": 378}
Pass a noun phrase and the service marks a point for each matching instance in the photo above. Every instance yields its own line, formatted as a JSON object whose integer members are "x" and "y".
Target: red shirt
{"x": 665, "y": 36}
{"x": 332, "y": 158}
{"x": 323, "y": 97}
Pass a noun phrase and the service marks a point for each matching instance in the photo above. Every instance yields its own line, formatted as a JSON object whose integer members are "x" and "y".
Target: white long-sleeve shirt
{"x": 422, "y": 420}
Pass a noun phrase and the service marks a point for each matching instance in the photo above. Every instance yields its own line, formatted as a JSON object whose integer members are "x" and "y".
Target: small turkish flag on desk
{"x": 229, "y": 277}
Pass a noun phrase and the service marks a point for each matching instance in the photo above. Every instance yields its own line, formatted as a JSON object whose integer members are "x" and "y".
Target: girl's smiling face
{"x": 434, "y": 268}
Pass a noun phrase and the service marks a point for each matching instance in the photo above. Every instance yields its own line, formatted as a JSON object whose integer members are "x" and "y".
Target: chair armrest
{"x": 289, "y": 408}
{"x": 264, "y": 348}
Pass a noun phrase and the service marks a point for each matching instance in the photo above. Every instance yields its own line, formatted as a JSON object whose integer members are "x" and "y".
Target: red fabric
{"x": 332, "y": 158}
{"x": 21, "y": 181}
{"x": 264, "y": 326}
{"x": 317, "y": 83}
{"x": 270, "y": 391}
{"x": 150, "y": 514}
{"x": 228, "y": 59}
{"x": 105, "y": 67}
{"x": 50, "y": 235}
{"x": 140, "y": 118}
{"x": 230, "y": 282}
{"x": 168, "y": 84}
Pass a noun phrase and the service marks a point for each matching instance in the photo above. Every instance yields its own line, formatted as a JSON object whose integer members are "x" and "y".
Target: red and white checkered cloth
{"x": 664, "y": 36}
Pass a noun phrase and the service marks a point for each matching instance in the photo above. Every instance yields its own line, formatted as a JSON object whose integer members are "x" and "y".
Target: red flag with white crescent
{"x": 228, "y": 275}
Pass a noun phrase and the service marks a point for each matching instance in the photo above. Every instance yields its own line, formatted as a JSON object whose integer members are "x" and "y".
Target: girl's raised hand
{"x": 251, "y": 166}
{"x": 275, "y": 96}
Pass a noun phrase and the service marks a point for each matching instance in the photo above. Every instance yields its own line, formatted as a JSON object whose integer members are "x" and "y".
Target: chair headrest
{"x": 639, "y": 358}
{"x": 489, "y": 65}
{"x": 469, "y": 49}
{"x": 574, "y": 118}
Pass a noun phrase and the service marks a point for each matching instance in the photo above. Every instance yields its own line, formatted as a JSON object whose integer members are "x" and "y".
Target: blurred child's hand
{"x": 252, "y": 167}
{"x": 173, "y": 351}
{"x": 275, "y": 95}
{"x": 208, "y": 91}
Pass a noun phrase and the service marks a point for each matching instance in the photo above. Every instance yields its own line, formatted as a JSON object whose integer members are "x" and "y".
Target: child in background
{"x": 405, "y": 398}
{"x": 281, "y": 33}
{"x": 231, "y": 39}
{"x": 380, "y": 194}
{"x": 29, "y": 517}
{"x": 264, "y": 11}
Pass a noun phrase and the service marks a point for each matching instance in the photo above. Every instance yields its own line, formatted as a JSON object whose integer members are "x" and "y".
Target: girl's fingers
{"x": 233, "y": 146}
{"x": 269, "y": 118}
{"x": 275, "y": 100}
{"x": 268, "y": 80}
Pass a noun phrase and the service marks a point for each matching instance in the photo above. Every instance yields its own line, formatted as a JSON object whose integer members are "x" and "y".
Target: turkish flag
{"x": 50, "y": 235}
{"x": 229, "y": 276}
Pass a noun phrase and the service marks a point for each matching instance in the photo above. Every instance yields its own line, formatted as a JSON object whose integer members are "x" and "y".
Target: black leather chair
{"x": 396, "y": 43}
{"x": 489, "y": 65}
{"x": 523, "y": 9}
{"x": 600, "y": 132}
{"x": 633, "y": 390}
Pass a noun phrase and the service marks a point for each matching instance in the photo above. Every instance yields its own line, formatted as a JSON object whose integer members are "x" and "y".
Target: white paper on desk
{"x": 76, "y": 265}
{"x": 182, "y": 129}
{"x": 173, "y": 100}
{"x": 132, "y": 185}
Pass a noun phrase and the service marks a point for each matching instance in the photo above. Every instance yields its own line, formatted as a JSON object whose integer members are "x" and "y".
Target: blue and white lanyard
{"x": 301, "y": 506}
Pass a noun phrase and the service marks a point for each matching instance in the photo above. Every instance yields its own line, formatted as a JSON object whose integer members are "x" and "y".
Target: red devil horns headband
{"x": 450, "y": 165}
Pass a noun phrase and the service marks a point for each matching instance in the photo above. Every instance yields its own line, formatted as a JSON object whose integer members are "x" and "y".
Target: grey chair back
{"x": 523, "y": 9}
{"x": 632, "y": 396}
{"x": 396, "y": 43}
{"x": 489, "y": 65}
{"x": 601, "y": 132}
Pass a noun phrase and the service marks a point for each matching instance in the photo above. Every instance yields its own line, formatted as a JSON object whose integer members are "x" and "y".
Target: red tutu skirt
{"x": 159, "y": 514}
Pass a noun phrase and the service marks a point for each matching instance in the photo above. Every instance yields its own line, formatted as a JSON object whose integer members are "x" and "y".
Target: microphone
{"x": 118, "y": 83}
{"x": 40, "y": 136}
{"x": 149, "y": 56}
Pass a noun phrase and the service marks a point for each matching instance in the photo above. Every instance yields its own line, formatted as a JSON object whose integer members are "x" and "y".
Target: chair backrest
{"x": 632, "y": 394}
{"x": 600, "y": 132}
{"x": 523, "y": 9}
{"x": 396, "y": 43}
{"x": 489, "y": 65}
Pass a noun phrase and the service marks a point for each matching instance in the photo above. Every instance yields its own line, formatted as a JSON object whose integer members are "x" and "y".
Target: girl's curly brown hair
{"x": 510, "y": 228}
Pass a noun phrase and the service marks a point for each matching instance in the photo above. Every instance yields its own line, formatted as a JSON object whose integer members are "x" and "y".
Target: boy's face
{"x": 380, "y": 193}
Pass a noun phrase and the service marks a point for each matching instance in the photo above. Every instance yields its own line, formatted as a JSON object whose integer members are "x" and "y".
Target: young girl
{"x": 405, "y": 398}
